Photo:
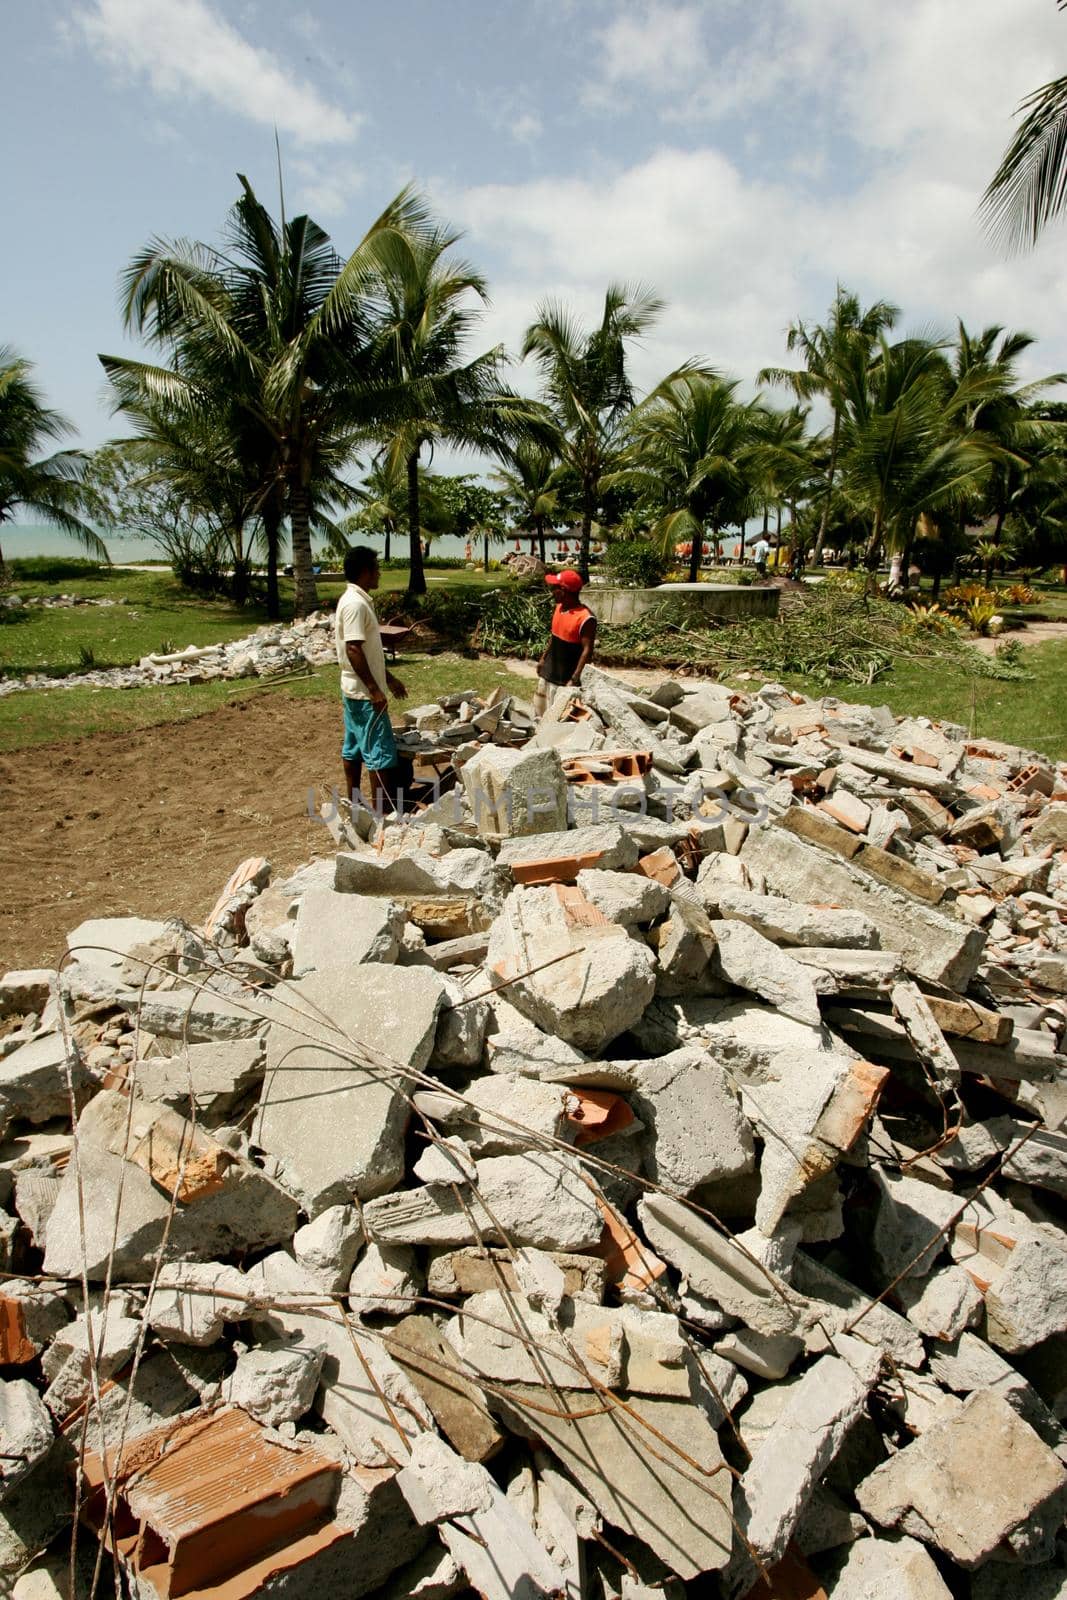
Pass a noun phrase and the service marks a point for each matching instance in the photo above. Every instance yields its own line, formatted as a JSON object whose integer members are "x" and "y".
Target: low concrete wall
{"x": 711, "y": 602}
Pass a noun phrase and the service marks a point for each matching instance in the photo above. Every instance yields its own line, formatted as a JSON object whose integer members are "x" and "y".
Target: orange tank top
{"x": 568, "y": 624}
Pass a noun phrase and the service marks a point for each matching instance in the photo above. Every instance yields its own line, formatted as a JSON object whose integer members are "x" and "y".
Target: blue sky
{"x": 739, "y": 157}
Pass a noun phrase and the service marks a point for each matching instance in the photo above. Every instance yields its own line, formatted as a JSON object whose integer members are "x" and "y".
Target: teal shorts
{"x": 368, "y": 735}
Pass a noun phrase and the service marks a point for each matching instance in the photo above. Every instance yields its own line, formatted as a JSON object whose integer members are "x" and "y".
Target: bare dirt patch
{"x": 152, "y": 823}
{"x": 1029, "y": 633}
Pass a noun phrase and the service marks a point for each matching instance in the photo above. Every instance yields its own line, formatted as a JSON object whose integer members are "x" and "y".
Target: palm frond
{"x": 1029, "y": 188}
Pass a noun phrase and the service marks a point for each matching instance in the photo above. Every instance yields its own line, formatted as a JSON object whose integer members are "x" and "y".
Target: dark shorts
{"x": 368, "y": 735}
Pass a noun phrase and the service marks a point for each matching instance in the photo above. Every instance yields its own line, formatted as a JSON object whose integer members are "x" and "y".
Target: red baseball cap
{"x": 569, "y": 579}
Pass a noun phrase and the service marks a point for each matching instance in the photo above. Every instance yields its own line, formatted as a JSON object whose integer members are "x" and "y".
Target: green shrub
{"x": 55, "y": 569}
{"x": 635, "y": 564}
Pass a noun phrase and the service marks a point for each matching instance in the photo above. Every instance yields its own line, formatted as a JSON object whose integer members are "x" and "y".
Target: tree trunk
{"x": 870, "y": 555}
{"x": 416, "y": 575}
{"x": 272, "y": 525}
{"x": 539, "y": 525}
{"x": 824, "y": 519}
{"x": 694, "y": 556}
{"x": 307, "y": 595}
{"x": 388, "y": 541}
{"x": 485, "y": 549}
{"x": 587, "y": 533}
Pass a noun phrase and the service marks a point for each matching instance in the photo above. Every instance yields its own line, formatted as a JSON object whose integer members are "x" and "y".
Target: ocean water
{"x": 41, "y": 540}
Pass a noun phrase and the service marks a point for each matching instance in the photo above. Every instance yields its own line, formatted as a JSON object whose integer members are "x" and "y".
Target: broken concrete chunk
{"x": 536, "y": 1199}
{"x": 942, "y": 1305}
{"x": 794, "y": 1454}
{"x": 385, "y": 1281}
{"x": 430, "y": 1362}
{"x": 889, "y": 1569}
{"x": 328, "y": 1245}
{"x": 941, "y": 1487}
{"x": 333, "y": 1113}
{"x": 752, "y": 962}
{"x": 461, "y": 1025}
{"x": 337, "y": 931}
{"x": 1021, "y": 1269}
{"x": 911, "y": 1216}
{"x": 446, "y": 1161}
{"x": 363, "y": 1395}
{"x": 276, "y": 1383}
{"x": 25, "y": 1431}
{"x": 194, "y": 1300}
{"x": 624, "y": 897}
{"x": 515, "y": 793}
{"x": 485, "y": 1534}
{"x": 583, "y": 984}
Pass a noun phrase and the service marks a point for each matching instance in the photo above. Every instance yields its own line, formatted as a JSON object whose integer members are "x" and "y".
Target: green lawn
{"x": 55, "y": 716}
{"x": 1032, "y": 712}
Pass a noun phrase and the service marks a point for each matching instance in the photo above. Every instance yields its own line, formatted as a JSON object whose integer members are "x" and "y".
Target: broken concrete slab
{"x": 329, "y": 1244}
{"x": 36, "y": 1080}
{"x": 535, "y": 1199}
{"x": 1021, "y": 1269}
{"x": 752, "y": 962}
{"x": 338, "y": 931}
{"x": 485, "y": 1534}
{"x": 515, "y": 793}
{"x": 198, "y": 1015}
{"x": 716, "y": 1266}
{"x": 934, "y": 945}
{"x": 430, "y": 1362}
{"x": 599, "y": 981}
{"x": 940, "y": 1488}
{"x": 476, "y": 1270}
{"x": 217, "y": 1076}
{"x": 332, "y": 1114}
{"x": 244, "y": 1211}
{"x": 385, "y": 1281}
{"x": 787, "y": 923}
{"x": 606, "y": 846}
{"x": 636, "y": 1465}
{"x": 821, "y": 1407}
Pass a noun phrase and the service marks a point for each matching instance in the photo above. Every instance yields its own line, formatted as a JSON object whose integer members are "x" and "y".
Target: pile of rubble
{"x": 269, "y": 652}
{"x": 642, "y": 1169}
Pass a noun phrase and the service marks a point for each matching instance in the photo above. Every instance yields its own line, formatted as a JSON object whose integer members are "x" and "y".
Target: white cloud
{"x": 653, "y": 46}
{"x": 878, "y": 188}
{"x": 184, "y": 47}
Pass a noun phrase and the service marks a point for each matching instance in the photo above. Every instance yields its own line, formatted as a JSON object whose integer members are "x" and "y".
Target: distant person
{"x": 365, "y": 683}
{"x": 468, "y": 551}
{"x": 760, "y": 551}
{"x": 570, "y": 642}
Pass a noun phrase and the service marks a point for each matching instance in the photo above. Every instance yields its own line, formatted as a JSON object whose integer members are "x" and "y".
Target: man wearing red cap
{"x": 570, "y": 643}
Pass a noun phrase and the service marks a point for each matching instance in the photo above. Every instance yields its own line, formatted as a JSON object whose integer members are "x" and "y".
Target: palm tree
{"x": 830, "y": 353}
{"x": 782, "y": 464}
{"x": 691, "y": 454}
{"x": 988, "y": 398}
{"x": 47, "y": 486}
{"x": 1029, "y": 188}
{"x": 432, "y": 305}
{"x": 530, "y": 484}
{"x": 902, "y": 452}
{"x": 276, "y": 333}
{"x": 382, "y": 499}
{"x": 587, "y": 387}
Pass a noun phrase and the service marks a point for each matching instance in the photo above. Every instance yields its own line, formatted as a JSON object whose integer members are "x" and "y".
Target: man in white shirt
{"x": 365, "y": 683}
{"x": 760, "y": 551}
